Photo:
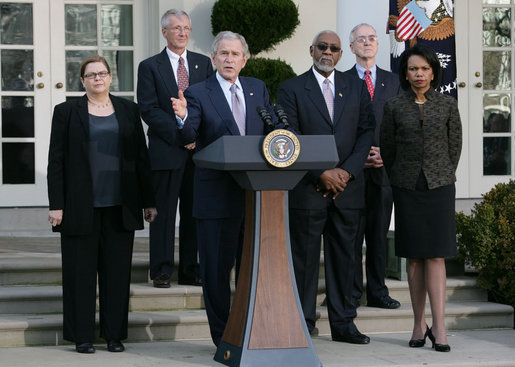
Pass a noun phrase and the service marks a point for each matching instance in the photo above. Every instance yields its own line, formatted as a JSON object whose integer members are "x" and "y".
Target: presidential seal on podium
{"x": 281, "y": 148}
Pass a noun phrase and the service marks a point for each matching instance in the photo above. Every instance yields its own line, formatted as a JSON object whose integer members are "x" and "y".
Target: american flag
{"x": 412, "y": 21}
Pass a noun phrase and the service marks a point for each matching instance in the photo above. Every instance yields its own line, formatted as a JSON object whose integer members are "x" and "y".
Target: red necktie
{"x": 182, "y": 75}
{"x": 370, "y": 85}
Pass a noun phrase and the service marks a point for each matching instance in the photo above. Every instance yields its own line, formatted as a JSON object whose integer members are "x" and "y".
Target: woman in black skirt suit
{"x": 421, "y": 146}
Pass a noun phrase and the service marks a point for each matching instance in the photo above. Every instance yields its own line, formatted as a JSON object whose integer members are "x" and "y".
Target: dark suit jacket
{"x": 353, "y": 129}
{"x": 387, "y": 86}
{"x": 409, "y": 145}
{"x": 216, "y": 194}
{"x": 156, "y": 85}
{"x": 69, "y": 177}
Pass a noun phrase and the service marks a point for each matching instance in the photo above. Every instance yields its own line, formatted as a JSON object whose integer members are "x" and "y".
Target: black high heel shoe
{"x": 417, "y": 343}
{"x": 438, "y": 347}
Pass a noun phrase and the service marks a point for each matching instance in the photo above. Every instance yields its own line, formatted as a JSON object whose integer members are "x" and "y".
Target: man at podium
{"x": 323, "y": 101}
{"x": 224, "y": 104}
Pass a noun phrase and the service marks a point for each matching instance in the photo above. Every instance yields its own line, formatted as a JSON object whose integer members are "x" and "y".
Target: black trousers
{"x": 169, "y": 187}
{"x": 220, "y": 246}
{"x": 373, "y": 227}
{"x": 339, "y": 228}
{"x": 107, "y": 251}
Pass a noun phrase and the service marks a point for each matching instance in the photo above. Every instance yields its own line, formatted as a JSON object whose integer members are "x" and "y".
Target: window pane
{"x": 496, "y": 112}
{"x": 17, "y": 70}
{"x": 81, "y": 24}
{"x": 73, "y": 62}
{"x": 18, "y": 117}
{"x": 16, "y": 22}
{"x": 497, "y": 70}
{"x": 18, "y": 163}
{"x": 496, "y": 1}
{"x": 496, "y": 27}
{"x": 496, "y": 156}
{"x": 122, "y": 68}
{"x": 117, "y": 25}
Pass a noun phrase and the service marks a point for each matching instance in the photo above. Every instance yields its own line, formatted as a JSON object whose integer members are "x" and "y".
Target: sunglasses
{"x": 323, "y": 47}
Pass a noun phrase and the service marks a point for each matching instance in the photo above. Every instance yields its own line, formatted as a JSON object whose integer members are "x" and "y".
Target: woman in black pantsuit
{"x": 98, "y": 187}
{"x": 421, "y": 146}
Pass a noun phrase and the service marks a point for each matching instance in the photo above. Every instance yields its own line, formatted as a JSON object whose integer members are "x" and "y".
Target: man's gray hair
{"x": 228, "y": 35}
{"x": 323, "y": 32}
{"x": 351, "y": 35}
{"x": 165, "y": 19}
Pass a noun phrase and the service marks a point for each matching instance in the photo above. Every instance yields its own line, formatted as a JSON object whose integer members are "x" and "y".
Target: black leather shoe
{"x": 356, "y": 302}
{"x": 384, "y": 302}
{"x": 162, "y": 281}
{"x": 85, "y": 348}
{"x": 354, "y": 337}
{"x": 115, "y": 346}
{"x": 196, "y": 282}
{"x": 417, "y": 343}
{"x": 438, "y": 347}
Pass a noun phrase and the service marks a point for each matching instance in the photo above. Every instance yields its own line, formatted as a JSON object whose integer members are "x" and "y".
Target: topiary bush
{"x": 272, "y": 71}
{"x": 263, "y": 23}
{"x": 486, "y": 239}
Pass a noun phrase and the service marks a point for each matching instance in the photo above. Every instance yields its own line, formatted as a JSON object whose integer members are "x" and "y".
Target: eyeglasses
{"x": 323, "y": 47}
{"x": 180, "y": 29}
{"x": 363, "y": 39}
{"x": 102, "y": 74}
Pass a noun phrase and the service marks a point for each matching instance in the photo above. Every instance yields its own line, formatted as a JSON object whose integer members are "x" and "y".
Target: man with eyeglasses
{"x": 375, "y": 217}
{"x": 324, "y": 101}
{"x": 160, "y": 78}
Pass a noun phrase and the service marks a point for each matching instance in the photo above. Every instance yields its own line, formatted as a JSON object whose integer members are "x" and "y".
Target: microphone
{"x": 283, "y": 118}
{"x": 266, "y": 117}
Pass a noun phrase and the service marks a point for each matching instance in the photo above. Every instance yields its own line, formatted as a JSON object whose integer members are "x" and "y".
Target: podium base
{"x": 233, "y": 356}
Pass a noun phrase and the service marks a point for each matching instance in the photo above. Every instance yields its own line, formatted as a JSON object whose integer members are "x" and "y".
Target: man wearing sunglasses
{"x": 375, "y": 218}
{"x": 323, "y": 101}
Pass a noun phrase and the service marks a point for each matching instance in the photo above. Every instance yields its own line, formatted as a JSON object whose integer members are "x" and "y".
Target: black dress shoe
{"x": 438, "y": 347}
{"x": 115, "y": 346}
{"x": 384, "y": 302}
{"x": 85, "y": 348}
{"x": 354, "y": 337}
{"x": 196, "y": 282}
{"x": 162, "y": 281}
{"x": 417, "y": 343}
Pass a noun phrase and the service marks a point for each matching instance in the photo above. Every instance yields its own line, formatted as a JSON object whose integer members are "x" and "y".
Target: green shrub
{"x": 486, "y": 239}
{"x": 263, "y": 23}
{"x": 272, "y": 72}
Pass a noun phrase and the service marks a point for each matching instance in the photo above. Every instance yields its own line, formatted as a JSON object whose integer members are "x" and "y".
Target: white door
{"x": 42, "y": 45}
{"x": 490, "y": 91}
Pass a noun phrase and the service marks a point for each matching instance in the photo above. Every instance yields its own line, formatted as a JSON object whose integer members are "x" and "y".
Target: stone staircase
{"x": 31, "y": 305}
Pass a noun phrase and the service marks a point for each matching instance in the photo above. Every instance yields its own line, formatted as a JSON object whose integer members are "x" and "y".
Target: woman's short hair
{"x": 93, "y": 58}
{"x": 432, "y": 59}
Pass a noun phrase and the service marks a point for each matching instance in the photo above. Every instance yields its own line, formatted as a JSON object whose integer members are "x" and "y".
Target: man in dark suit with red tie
{"x": 323, "y": 101}
{"x": 375, "y": 218}
{"x": 160, "y": 77}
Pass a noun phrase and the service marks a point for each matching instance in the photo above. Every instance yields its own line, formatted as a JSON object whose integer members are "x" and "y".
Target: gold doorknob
{"x": 59, "y": 85}
{"x": 462, "y": 85}
{"x": 40, "y": 85}
{"x": 479, "y": 84}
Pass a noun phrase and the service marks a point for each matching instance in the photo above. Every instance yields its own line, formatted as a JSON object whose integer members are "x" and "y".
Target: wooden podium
{"x": 266, "y": 325}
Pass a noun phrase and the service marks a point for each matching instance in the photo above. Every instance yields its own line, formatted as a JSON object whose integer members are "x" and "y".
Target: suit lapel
{"x": 315, "y": 94}
{"x": 121, "y": 116}
{"x": 380, "y": 86}
{"x": 251, "y": 104}
{"x": 220, "y": 104}
{"x": 84, "y": 114}
{"x": 340, "y": 90}
{"x": 193, "y": 67}
{"x": 166, "y": 72}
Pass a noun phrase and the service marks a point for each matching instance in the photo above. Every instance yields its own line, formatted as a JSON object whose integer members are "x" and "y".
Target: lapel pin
{"x": 340, "y": 94}
{"x": 251, "y": 93}
{"x": 196, "y": 66}
{"x": 382, "y": 84}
